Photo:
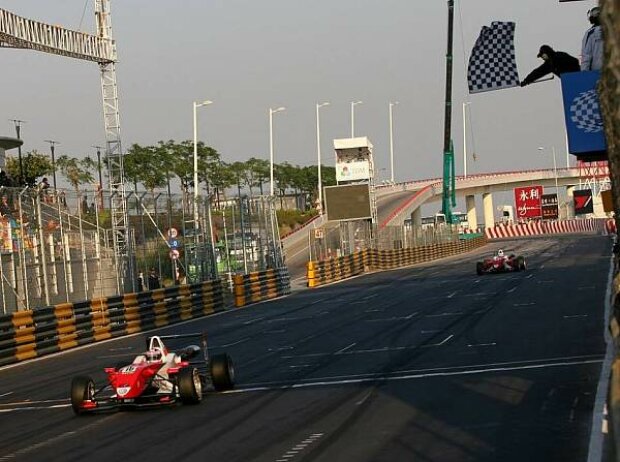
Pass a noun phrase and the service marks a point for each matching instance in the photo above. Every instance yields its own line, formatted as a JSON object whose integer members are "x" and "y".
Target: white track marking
{"x": 292, "y": 453}
{"x": 576, "y": 316}
{"x": 345, "y": 348}
{"x": 452, "y": 294}
{"x": 457, "y": 313}
{"x": 521, "y": 305}
{"x": 6, "y": 394}
{"x": 473, "y": 345}
{"x": 328, "y": 382}
{"x": 511, "y": 290}
{"x": 443, "y": 342}
{"x": 400, "y": 318}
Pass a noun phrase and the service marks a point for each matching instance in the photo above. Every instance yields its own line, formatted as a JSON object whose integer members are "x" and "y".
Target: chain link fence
{"x": 57, "y": 246}
{"x": 339, "y": 239}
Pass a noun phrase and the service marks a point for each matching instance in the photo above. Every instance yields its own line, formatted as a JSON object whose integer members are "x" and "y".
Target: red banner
{"x": 528, "y": 202}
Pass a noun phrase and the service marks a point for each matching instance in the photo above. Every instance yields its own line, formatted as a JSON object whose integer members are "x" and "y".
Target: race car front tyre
{"x": 222, "y": 372}
{"x": 521, "y": 266}
{"x": 82, "y": 389}
{"x": 479, "y": 268}
{"x": 190, "y": 385}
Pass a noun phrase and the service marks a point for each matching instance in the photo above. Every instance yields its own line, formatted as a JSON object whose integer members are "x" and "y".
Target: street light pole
{"x": 99, "y": 148}
{"x": 353, "y": 104}
{"x": 271, "y": 113}
{"x": 318, "y": 151}
{"x": 196, "y": 220}
{"x": 52, "y": 149}
{"x": 18, "y": 125}
{"x": 392, "y": 143}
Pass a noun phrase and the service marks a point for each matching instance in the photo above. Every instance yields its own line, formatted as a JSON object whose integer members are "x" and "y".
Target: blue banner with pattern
{"x": 584, "y": 123}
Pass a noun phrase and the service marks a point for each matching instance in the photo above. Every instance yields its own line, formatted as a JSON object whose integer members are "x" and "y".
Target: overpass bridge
{"x": 398, "y": 202}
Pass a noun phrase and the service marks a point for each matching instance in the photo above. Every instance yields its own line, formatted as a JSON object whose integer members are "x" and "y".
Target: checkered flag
{"x": 492, "y": 64}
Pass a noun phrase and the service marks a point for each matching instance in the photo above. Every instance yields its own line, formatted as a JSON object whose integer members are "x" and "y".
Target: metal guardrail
{"x": 34, "y": 333}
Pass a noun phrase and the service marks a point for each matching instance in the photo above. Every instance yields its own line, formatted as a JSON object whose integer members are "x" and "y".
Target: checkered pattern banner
{"x": 492, "y": 64}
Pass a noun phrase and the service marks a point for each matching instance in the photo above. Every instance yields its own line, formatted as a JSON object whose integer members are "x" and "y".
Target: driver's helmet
{"x": 500, "y": 253}
{"x": 153, "y": 356}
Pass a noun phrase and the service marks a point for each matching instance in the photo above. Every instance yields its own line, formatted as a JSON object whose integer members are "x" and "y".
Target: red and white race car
{"x": 156, "y": 377}
{"x": 500, "y": 263}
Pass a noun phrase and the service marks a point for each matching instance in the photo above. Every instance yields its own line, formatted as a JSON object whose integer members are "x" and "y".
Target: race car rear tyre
{"x": 521, "y": 266}
{"x": 222, "y": 372}
{"x": 190, "y": 385}
{"x": 82, "y": 389}
{"x": 479, "y": 268}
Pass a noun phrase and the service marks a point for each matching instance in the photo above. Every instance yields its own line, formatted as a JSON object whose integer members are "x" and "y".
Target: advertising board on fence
{"x": 550, "y": 206}
{"x": 528, "y": 202}
{"x": 583, "y": 202}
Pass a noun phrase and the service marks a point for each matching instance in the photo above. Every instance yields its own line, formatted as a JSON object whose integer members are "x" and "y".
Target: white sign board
{"x": 353, "y": 171}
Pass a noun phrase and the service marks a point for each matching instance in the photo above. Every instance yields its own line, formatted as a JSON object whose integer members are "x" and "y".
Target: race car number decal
{"x": 128, "y": 370}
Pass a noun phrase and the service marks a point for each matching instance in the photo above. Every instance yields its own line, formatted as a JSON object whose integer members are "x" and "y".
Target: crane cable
{"x": 83, "y": 14}
{"x": 467, "y": 113}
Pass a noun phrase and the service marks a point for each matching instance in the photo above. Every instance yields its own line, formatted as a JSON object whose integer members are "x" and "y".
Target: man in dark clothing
{"x": 153, "y": 280}
{"x": 557, "y": 62}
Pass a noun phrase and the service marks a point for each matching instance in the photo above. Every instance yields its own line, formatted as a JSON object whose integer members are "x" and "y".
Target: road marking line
{"x": 576, "y": 316}
{"x": 400, "y": 318}
{"x": 277, "y": 331}
{"x": 586, "y": 288}
{"x": 471, "y": 345}
{"x": 458, "y": 313}
{"x": 519, "y": 305}
{"x": 429, "y": 331}
{"x": 452, "y": 294}
{"x": 440, "y": 343}
{"x": 288, "y": 455}
{"x": 345, "y": 348}
{"x": 512, "y": 290}
{"x": 6, "y": 394}
{"x": 300, "y": 366}
{"x": 529, "y": 276}
{"x": 329, "y": 381}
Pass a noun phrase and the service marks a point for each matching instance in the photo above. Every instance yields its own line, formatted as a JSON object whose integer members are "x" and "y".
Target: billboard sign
{"x": 549, "y": 204}
{"x": 353, "y": 171}
{"x": 582, "y": 114}
{"x": 528, "y": 202}
{"x": 349, "y": 202}
{"x": 583, "y": 202}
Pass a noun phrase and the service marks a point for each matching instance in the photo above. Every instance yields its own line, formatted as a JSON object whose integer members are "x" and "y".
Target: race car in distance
{"x": 500, "y": 263}
{"x": 158, "y": 376}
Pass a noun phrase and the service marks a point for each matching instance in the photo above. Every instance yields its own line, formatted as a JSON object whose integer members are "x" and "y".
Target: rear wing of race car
{"x": 180, "y": 343}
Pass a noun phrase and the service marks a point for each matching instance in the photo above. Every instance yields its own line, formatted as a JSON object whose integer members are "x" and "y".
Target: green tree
{"x": 35, "y": 165}
{"x": 76, "y": 171}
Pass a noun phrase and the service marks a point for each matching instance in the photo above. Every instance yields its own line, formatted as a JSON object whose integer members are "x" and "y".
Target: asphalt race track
{"x": 430, "y": 363}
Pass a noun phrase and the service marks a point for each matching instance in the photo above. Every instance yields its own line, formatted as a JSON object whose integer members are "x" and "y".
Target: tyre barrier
{"x": 34, "y": 333}
{"x": 261, "y": 285}
{"x": 336, "y": 269}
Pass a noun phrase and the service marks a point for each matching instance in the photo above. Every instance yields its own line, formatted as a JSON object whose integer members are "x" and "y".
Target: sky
{"x": 248, "y": 56}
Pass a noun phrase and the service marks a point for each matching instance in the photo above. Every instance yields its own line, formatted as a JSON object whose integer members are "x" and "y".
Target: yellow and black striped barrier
{"x": 33, "y": 333}
{"x": 261, "y": 285}
{"x": 336, "y": 269}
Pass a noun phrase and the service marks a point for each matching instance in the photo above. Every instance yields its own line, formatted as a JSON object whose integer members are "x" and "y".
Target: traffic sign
{"x": 172, "y": 233}
{"x": 173, "y": 243}
{"x": 174, "y": 254}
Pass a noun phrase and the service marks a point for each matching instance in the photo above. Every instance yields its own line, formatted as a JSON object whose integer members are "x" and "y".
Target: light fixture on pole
{"x": 465, "y": 138}
{"x": 392, "y": 143}
{"x": 555, "y": 169}
{"x": 52, "y": 149}
{"x": 353, "y": 104}
{"x": 196, "y": 220}
{"x": 18, "y": 126}
{"x": 271, "y": 113}
{"x": 318, "y": 152}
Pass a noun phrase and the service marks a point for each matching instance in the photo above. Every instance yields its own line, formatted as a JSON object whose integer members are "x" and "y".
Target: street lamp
{"x": 392, "y": 143}
{"x": 318, "y": 151}
{"x": 18, "y": 125}
{"x": 196, "y": 220}
{"x": 52, "y": 146}
{"x": 271, "y": 113}
{"x": 353, "y": 104}
{"x": 465, "y": 138}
